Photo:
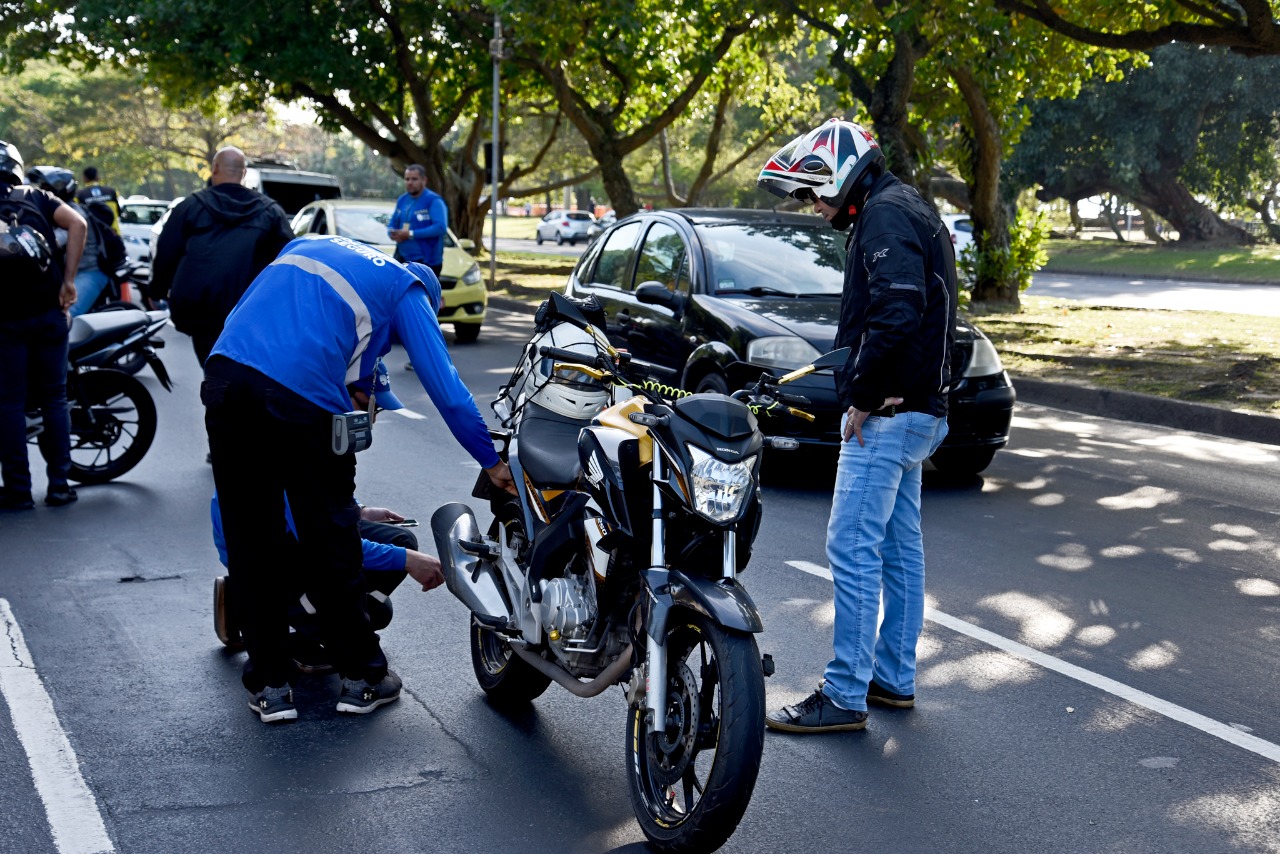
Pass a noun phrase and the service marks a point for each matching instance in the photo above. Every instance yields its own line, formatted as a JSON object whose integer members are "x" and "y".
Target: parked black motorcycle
{"x": 113, "y": 417}
{"x": 618, "y": 563}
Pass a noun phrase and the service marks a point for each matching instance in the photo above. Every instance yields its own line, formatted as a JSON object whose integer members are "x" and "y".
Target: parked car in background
{"x": 961, "y": 228}
{"x": 707, "y": 299}
{"x": 137, "y": 215}
{"x": 365, "y": 221}
{"x": 289, "y": 186}
{"x": 565, "y": 227}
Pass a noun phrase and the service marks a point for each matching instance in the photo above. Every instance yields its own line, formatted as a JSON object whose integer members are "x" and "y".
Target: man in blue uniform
{"x": 300, "y": 347}
{"x": 419, "y": 222}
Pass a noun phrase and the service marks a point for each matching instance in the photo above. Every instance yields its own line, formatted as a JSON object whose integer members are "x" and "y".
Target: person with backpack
{"x": 33, "y": 332}
{"x": 103, "y": 249}
{"x": 213, "y": 245}
{"x": 100, "y": 195}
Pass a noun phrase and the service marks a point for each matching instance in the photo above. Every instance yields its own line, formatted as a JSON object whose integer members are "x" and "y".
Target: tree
{"x": 1197, "y": 121}
{"x": 622, "y": 70}
{"x": 1247, "y": 27}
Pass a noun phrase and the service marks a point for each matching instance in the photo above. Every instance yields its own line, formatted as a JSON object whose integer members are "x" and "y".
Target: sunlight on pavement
{"x": 1208, "y": 450}
{"x": 1069, "y": 557}
{"x": 1155, "y": 657}
{"x": 1257, "y": 587}
{"x": 1096, "y": 635}
{"x": 1238, "y": 815}
{"x": 1041, "y": 624}
{"x": 982, "y": 671}
{"x": 1142, "y": 498}
{"x": 1122, "y": 551}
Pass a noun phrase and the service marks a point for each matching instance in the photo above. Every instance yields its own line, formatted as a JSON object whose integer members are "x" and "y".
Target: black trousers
{"x": 267, "y": 442}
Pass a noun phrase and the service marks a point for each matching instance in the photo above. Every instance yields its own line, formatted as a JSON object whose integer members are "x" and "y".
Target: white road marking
{"x": 1226, "y": 732}
{"x": 410, "y": 414}
{"x": 74, "y": 818}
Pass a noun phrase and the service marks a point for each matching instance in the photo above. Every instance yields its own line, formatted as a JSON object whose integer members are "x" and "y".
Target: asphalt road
{"x": 1123, "y": 697}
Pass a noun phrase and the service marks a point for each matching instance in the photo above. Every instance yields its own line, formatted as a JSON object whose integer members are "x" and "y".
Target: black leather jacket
{"x": 898, "y": 310}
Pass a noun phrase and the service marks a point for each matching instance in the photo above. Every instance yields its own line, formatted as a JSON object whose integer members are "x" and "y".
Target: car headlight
{"x": 472, "y": 276}
{"x": 985, "y": 361}
{"x": 719, "y": 488}
{"x": 782, "y": 351}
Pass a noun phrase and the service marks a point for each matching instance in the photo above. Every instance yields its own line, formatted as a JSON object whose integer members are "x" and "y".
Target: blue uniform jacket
{"x": 378, "y": 557}
{"x": 320, "y": 316}
{"x": 427, "y": 218}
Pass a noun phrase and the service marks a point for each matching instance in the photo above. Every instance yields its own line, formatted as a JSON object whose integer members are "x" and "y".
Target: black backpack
{"x": 27, "y": 266}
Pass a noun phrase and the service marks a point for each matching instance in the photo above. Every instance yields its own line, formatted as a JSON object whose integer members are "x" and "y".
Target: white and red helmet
{"x": 828, "y": 163}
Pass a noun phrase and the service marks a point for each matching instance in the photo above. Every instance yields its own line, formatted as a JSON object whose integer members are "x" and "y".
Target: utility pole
{"x": 495, "y": 158}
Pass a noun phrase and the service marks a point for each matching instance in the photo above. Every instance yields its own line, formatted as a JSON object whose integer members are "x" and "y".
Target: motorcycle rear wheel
{"x": 691, "y": 784}
{"x": 505, "y": 677}
{"x": 113, "y": 423}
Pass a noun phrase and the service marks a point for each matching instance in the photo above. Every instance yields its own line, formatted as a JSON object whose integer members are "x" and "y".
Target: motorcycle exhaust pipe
{"x": 473, "y": 580}
{"x": 609, "y": 676}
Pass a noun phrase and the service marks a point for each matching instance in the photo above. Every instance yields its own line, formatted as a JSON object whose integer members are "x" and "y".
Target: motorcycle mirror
{"x": 562, "y": 309}
{"x": 834, "y": 359}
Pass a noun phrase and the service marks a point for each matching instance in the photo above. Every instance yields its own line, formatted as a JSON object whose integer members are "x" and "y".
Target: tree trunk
{"x": 1195, "y": 222}
{"x": 1077, "y": 224}
{"x": 617, "y": 186}
{"x": 995, "y": 282}
{"x": 1149, "y": 227}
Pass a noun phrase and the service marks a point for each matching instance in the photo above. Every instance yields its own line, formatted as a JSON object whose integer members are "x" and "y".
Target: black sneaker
{"x": 274, "y": 704}
{"x": 816, "y": 713}
{"x": 59, "y": 496}
{"x": 361, "y": 698}
{"x": 13, "y": 500}
{"x": 877, "y": 693}
{"x": 308, "y": 655}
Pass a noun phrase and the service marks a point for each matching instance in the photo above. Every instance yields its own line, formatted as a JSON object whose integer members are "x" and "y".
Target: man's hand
{"x": 400, "y": 235}
{"x": 67, "y": 296}
{"x": 853, "y": 424}
{"x": 500, "y": 474}
{"x": 380, "y": 514}
{"x": 424, "y": 569}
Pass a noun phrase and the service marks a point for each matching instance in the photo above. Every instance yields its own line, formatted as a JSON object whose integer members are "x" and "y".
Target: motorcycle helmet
{"x": 10, "y": 164}
{"x": 837, "y": 162}
{"x": 61, "y": 182}
{"x": 572, "y": 394}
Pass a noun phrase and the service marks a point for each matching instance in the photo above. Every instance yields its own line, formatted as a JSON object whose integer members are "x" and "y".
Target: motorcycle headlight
{"x": 781, "y": 351}
{"x": 719, "y": 488}
{"x": 472, "y": 276}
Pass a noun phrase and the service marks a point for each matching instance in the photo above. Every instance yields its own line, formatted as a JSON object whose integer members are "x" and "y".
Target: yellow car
{"x": 365, "y": 220}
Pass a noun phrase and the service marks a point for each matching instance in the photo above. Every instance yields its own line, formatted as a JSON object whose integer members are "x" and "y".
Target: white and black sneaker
{"x": 273, "y": 705}
{"x": 360, "y": 697}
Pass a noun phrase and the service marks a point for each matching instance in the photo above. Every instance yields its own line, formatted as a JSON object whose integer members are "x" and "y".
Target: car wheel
{"x": 559, "y": 239}
{"x": 466, "y": 333}
{"x": 573, "y": 241}
{"x": 713, "y": 382}
{"x": 537, "y": 236}
{"x": 962, "y": 460}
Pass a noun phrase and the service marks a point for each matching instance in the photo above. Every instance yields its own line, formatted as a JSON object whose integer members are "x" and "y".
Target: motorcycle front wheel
{"x": 690, "y": 784}
{"x": 113, "y": 422}
{"x": 506, "y": 678}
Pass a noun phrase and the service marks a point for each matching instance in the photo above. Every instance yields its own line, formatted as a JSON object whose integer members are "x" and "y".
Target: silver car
{"x": 567, "y": 227}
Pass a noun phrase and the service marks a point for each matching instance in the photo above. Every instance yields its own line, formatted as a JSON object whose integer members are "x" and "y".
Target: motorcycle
{"x": 126, "y": 290}
{"x": 113, "y": 417}
{"x": 618, "y": 563}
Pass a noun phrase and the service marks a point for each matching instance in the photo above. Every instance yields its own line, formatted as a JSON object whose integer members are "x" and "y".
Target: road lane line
{"x": 1227, "y": 733}
{"x": 72, "y": 810}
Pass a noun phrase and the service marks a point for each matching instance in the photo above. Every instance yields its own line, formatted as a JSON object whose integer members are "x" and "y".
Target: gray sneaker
{"x": 273, "y": 705}
{"x": 360, "y": 698}
{"x": 816, "y": 713}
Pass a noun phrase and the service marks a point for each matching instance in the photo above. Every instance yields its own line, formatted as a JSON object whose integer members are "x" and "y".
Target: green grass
{"x": 1110, "y": 257}
{"x": 1228, "y": 360}
{"x": 519, "y": 227}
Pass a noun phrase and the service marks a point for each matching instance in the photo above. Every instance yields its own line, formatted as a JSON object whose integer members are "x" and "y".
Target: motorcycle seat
{"x": 95, "y": 330}
{"x": 549, "y": 447}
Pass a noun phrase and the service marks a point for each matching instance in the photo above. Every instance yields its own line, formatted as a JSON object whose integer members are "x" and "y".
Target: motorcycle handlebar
{"x": 565, "y": 355}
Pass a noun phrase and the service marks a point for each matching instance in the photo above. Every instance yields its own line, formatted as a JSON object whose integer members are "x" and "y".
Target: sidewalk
{"x": 1120, "y": 405}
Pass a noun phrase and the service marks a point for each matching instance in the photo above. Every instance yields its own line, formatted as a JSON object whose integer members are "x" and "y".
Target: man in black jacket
{"x": 214, "y": 244}
{"x": 897, "y": 313}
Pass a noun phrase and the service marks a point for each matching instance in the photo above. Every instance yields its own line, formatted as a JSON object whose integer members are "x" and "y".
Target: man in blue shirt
{"x": 419, "y": 222}
{"x": 301, "y": 346}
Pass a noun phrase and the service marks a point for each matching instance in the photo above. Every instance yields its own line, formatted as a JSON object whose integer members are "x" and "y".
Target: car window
{"x": 579, "y": 215}
{"x": 800, "y": 260}
{"x": 615, "y": 257}
{"x": 302, "y": 222}
{"x": 964, "y": 225}
{"x": 663, "y": 259}
{"x": 550, "y": 216}
{"x": 366, "y": 225}
{"x": 141, "y": 214}
{"x": 320, "y": 225}
{"x": 587, "y": 262}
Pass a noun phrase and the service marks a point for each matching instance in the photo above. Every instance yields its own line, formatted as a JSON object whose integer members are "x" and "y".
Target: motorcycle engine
{"x": 567, "y": 607}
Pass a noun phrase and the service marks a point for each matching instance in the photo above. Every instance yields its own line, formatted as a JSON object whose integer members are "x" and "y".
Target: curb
{"x": 1148, "y": 409}
{"x": 1119, "y": 405}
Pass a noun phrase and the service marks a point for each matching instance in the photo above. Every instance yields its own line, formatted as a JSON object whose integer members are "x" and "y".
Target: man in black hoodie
{"x": 215, "y": 243}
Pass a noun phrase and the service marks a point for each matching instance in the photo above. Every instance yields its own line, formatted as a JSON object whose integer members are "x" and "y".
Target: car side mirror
{"x": 656, "y": 293}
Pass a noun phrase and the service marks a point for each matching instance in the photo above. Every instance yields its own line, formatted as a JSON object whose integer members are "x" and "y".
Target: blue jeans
{"x": 33, "y": 368}
{"x": 89, "y": 284}
{"x": 875, "y": 547}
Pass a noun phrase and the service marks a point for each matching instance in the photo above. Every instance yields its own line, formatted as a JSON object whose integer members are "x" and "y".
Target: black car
{"x": 709, "y": 298}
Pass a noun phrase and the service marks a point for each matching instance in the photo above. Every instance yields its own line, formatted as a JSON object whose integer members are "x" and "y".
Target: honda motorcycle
{"x": 618, "y": 563}
{"x": 113, "y": 418}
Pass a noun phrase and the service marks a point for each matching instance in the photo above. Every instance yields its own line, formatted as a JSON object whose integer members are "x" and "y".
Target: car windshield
{"x": 367, "y": 225}
{"x": 579, "y": 216}
{"x": 774, "y": 259}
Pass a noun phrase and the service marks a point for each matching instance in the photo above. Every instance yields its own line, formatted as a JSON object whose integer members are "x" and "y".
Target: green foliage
{"x": 1011, "y": 264}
